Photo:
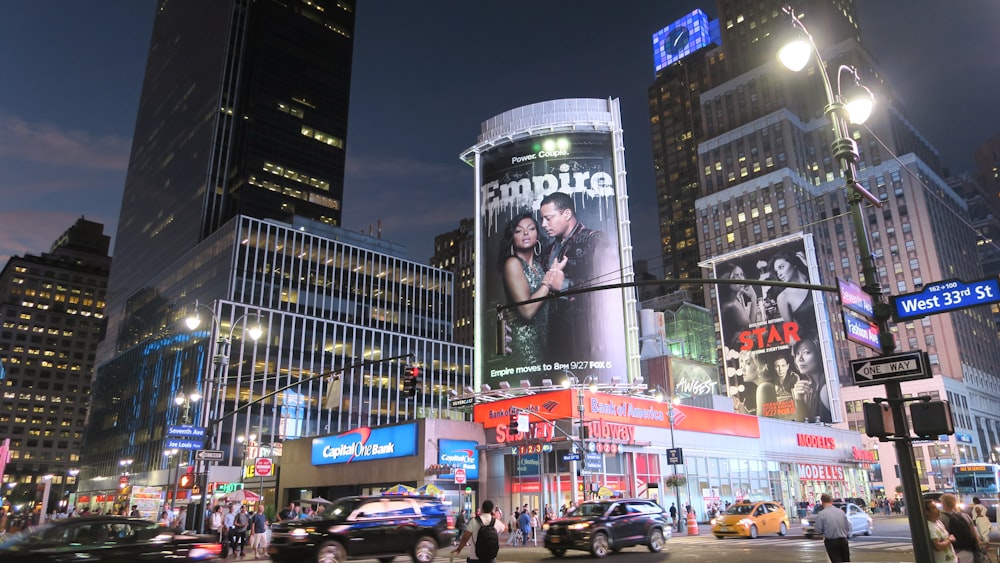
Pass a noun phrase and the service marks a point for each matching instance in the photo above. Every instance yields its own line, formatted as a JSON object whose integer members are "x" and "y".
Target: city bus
{"x": 978, "y": 480}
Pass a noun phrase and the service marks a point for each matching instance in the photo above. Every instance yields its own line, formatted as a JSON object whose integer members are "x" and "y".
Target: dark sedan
{"x": 109, "y": 539}
{"x": 600, "y": 526}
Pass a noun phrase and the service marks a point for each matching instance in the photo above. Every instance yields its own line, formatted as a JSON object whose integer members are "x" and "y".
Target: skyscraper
{"x": 766, "y": 170}
{"x": 243, "y": 111}
{"x": 231, "y": 210}
{"x": 455, "y": 251}
{"x": 52, "y": 310}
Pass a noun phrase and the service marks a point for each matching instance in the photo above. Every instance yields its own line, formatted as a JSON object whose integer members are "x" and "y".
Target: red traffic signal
{"x": 513, "y": 422}
{"x": 186, "y": 481}
{"x": 410, "y": 376}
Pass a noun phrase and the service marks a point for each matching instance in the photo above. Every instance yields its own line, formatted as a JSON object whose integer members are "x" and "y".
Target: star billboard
{"x": 775, "y": 340}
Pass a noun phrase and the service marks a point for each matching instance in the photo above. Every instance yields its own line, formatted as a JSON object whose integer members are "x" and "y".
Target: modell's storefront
{"x": 723, "y": 456}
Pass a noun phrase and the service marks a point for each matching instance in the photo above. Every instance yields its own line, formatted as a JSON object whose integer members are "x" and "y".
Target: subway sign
{"x": 365, "y": 444}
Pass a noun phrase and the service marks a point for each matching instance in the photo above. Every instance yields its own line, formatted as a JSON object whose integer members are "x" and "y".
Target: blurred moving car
{"x": 109, "y": 539}
{"x": 600, "y": 526}
{"x": 750, "y": 519}
{"x": 366, "y": 527}
{"x": 861, "y": 522}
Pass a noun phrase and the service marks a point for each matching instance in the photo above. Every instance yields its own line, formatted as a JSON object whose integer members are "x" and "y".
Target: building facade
{"x": 455, "y": 251}
{"x": 767, "y": 170}
{"x": 52, "y": 315}
{"x": 341, "y": 316}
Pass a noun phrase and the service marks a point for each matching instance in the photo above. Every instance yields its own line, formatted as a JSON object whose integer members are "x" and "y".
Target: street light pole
{"x": 211, "y": 414}
{"x": 845, "y": 150}
{"x": 671, "y": 401}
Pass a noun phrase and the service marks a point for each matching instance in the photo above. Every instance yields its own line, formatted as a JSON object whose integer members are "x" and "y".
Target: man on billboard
{"x": 584, "y": 256}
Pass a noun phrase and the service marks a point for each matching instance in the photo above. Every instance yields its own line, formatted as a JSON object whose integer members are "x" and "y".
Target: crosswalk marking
{"x": 795, "y": 542}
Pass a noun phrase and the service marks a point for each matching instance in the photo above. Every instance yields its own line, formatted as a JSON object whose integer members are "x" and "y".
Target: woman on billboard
{"x": 524, "y": 278}
{"x": 739, "y": 302}
{"x": 794, "y": 304}
{"x": 812, "y": 401}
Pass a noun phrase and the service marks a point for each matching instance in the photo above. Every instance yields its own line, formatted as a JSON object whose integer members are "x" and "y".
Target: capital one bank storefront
{"x": 726, "y": 456}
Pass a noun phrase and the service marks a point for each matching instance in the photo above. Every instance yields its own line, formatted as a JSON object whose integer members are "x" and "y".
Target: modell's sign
{"x": 363, "y": 444}
{"x": 813, "y": 441}
{"x": 863, "y": 455}
{"x": 815, "y": 472}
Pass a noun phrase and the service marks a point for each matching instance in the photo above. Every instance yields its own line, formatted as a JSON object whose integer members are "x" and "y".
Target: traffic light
{"x": 410, "y": 376}
{"x": 186, "y": 481}
{"x": 513, "y": 422}
{"x": 523, "y": 424}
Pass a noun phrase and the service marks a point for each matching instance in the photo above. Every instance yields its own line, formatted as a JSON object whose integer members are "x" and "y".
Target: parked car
{"x": 600, "y": 526}
{"x": 366, "y": 527}
{"x": 750, "y": 519}
{"x": 861, "y": 522}
{"x": 109, "y": 539}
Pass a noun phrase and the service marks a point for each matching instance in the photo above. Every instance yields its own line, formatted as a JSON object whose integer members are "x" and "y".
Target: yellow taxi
{"x": 750, "y": 519}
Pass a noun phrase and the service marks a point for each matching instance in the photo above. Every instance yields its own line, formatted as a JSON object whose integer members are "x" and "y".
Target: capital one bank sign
{"x": 364, "y": 444}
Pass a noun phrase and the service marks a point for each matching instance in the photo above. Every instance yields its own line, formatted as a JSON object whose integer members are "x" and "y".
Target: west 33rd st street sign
{"x": 945, "y": 296}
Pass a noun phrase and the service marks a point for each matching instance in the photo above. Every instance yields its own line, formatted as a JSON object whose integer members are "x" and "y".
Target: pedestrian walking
{"x": 215, "y": 524}
{"x": 258, "y": 526}
{"x": 832, "y": 524}
{"x": 960, "y": 526}
{"x": 941, "y": 540}
{"x": 484, "y": 532}
{"x": 524, "y": 523}
{"x": 673, "y": 515}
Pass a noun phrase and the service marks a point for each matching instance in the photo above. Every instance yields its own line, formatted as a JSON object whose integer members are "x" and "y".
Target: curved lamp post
{"x": 795, "y": 55}
{"x": 214, "y": 404}
{"x": 590, "y": 382}
{"x": 660, "y": 396}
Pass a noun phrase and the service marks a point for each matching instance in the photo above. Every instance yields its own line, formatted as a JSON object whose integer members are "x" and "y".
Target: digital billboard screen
{"x": 771, "y": 339}
{"x": 549, "y": 226}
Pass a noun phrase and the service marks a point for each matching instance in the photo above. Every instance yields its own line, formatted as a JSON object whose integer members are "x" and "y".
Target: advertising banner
{"x": 689, "y": 378}
{"x": 772, "y": 354}
{"x": 459, "y": 454}
{"x": 549, "y": 203}
{"x": 363, "y": 444}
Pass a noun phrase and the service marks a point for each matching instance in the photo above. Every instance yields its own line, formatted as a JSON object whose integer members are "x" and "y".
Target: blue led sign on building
{"x": 683, "y": 37}
{"x": 459, "y": 453}
{"x": 363, "y": 444}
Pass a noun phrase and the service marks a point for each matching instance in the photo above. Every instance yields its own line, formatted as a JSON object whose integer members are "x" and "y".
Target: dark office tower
{"x": 752, "y": 32}
{"x": 455, "y": 251}
{"x": 243, "y": 112}
{"x": 52, "y": 311}
{"x": 681, "y": 59}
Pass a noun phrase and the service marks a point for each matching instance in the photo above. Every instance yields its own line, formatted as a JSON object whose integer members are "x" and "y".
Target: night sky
{"x": 426, "y": 74}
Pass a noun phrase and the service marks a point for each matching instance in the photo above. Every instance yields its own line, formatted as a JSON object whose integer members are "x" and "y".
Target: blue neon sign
{"x": 364, "y": 444}
{"x": 459, "y": 453}
{"x": 945, "y": 296}
{"x": 683, "y": 37}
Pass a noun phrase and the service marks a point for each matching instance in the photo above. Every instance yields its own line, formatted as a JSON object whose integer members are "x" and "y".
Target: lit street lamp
{"x": 172, "y": 453}
{"x": 660, "y": 396}
{"x": 214, "y": 404}
{"x": 795, "y": 56}
{"x": 591, "y": 383}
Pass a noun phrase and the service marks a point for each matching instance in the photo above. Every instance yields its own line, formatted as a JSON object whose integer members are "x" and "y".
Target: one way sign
{"x": 897, "y": 367}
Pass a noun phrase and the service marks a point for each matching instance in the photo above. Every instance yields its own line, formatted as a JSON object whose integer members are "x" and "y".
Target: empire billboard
{"x": 775, "y": 348}
{"x": 549, "y": 226}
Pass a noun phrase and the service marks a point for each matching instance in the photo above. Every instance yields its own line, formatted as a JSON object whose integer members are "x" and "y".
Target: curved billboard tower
{"x": 552, "y": 221}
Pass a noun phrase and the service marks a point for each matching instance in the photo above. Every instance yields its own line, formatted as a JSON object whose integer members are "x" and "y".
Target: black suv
{"x": 598, "y": 526}
{"x": 373, "y": 527}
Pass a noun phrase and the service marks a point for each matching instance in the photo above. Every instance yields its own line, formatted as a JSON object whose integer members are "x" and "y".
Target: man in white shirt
{"x": 486, "y": 517}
